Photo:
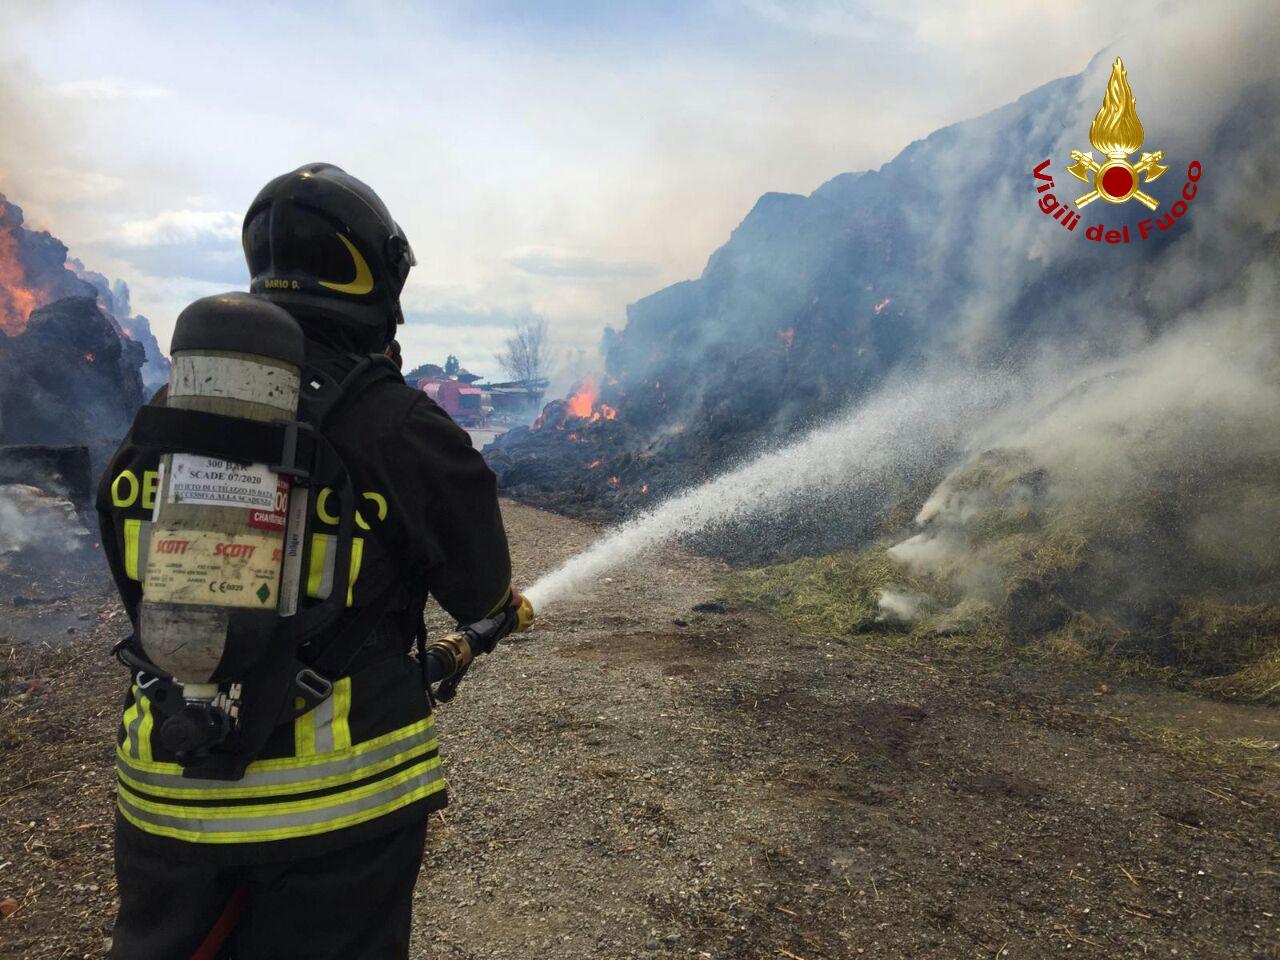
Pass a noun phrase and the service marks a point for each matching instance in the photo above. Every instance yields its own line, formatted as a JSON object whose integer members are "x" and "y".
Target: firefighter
{"x": 315, "y": 851}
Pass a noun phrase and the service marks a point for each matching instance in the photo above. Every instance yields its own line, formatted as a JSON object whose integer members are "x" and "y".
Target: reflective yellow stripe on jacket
{"x": 320, "y": 569}
{"x": 325, "y": 728}
{"x": 136, "y": 539}
{"x": 303, "y": 795}
{"x": 138, "y": 723}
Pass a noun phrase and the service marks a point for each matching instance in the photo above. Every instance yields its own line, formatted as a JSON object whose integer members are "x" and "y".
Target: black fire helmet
{"x": 323, "y": 245}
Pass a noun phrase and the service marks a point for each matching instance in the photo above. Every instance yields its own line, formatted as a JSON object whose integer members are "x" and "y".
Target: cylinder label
{"x": 206, "y": 480}
{"x": 204, "y": 566}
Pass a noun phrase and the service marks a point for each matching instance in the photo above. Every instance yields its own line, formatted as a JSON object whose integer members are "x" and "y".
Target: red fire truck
{"x": 462, "y": 401}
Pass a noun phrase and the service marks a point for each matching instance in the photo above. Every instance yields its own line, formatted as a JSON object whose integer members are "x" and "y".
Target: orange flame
{"x": 593, "y": 464}
{"x": 582, "y": 403}
{"x": 645, "y": 488}
{"x": 583, "y": 399}
{"x": 613, "y": 481}
{"x": 882, "y": 304}
{"x": 17, "y": 300}
{"x": 89, "y": 357}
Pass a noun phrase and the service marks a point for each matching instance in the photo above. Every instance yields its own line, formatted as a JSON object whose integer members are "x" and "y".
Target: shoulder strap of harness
{"x": 327, "y": 390}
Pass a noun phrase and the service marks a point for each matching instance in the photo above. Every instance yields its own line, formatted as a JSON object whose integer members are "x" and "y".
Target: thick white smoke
{"x": 1174, "y": 448}
{"x": 32, "y": 519}
{"x": 1097, "y": 432}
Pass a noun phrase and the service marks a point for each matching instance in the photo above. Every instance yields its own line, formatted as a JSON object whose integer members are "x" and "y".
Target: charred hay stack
{"x": 580, "y": 457}
{"x": 71, "y": 379}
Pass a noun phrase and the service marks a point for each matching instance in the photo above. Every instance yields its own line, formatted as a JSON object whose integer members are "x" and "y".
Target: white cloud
{"x": 180, "y": 226}
{"x": 824, "y": 18}
{"x": 969, "y": 28}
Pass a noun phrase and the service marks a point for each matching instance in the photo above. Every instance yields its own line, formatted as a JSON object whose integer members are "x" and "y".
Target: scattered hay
{"x": 1215, "y": 637}
{"x": 833, "y": 596}
{"x": 1222, "y": 649}
{"x": 1234, "y": 647}
{"x": 971, "y": 621}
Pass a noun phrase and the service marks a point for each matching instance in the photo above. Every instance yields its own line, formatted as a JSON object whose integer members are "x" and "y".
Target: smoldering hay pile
{"x": 1133, "y": 506}
{"x": 941, "y": 255}
{"x": 1126, "y": 498}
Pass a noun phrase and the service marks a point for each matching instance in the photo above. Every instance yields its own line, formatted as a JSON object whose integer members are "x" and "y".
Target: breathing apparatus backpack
{"x": 222, "y": 647}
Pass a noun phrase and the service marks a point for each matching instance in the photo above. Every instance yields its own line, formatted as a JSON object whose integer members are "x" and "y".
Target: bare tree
{"x": 527, "y": 355}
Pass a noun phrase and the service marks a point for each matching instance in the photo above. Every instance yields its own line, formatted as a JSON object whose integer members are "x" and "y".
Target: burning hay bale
{"x": 577, "y": 457}
{"x": 69, "y": 373}
{"x": 69, "y": 378}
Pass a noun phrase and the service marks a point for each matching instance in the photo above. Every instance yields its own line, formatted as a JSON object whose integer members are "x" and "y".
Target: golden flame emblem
{"x": 1117, "y": 132}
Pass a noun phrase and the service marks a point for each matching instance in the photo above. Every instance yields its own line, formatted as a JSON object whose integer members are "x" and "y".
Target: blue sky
{"x": 559, "y": 158}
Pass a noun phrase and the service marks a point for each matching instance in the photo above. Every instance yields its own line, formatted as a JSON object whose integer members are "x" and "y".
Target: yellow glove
{"x": 524, "y": 610}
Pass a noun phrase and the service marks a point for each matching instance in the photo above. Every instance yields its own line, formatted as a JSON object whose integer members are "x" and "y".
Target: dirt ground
{"x": 639, "y": 777}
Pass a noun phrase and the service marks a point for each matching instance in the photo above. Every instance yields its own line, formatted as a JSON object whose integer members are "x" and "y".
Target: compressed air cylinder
{"x": 212, "y": 581}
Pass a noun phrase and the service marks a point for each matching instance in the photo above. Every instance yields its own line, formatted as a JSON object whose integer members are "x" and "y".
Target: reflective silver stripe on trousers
{"x": 284, "y": 821}
{"x": 351, "y": 763}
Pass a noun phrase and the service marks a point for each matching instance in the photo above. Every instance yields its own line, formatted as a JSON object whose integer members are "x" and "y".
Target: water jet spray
{"x": 892, "y": 432}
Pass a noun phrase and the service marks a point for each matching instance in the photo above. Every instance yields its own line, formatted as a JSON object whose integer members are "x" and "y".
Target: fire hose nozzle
{"x": 447, "y": 658}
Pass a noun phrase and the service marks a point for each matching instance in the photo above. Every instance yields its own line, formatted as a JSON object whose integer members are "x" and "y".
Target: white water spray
{"x": 891, "y": 433}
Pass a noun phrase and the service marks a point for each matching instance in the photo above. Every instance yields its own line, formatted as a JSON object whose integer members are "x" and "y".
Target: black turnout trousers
{"x": 351, "y": 903}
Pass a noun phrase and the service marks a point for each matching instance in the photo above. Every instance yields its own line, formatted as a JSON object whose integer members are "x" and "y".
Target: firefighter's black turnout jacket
{"x": 366, "y": 760}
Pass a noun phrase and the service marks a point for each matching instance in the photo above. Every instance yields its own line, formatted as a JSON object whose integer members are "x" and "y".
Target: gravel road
{"x": 638, "y": 778}
{"x": 649, "y": 773}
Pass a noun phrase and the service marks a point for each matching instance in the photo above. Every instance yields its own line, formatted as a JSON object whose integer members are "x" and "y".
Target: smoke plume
{"x": 1119, "y": 456}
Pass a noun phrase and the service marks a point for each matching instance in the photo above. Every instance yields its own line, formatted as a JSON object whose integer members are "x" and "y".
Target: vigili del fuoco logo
{"x": 1116, "y": 133}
